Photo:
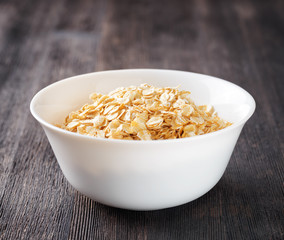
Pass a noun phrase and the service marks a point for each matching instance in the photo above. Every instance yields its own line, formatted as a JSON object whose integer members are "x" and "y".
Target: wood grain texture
{"x": 44, "y": 41}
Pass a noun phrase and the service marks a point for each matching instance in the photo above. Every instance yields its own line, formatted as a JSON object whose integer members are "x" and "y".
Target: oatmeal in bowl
{"x": 144, "y": 112}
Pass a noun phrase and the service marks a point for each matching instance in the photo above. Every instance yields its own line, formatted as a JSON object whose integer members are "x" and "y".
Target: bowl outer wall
{"x": 143, "y": 177}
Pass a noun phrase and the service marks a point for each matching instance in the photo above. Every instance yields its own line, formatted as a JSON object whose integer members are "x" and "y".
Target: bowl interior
{"x": 53, "y": 103}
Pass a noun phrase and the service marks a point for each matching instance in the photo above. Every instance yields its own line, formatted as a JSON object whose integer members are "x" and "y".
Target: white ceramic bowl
{"x": 142, "y": 175}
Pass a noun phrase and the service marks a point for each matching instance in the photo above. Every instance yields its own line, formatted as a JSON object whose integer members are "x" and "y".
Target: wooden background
{"x": 44, "y": 41}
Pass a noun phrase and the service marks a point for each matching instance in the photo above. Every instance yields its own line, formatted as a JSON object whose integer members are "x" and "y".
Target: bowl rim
{"x": 189, "y": 139}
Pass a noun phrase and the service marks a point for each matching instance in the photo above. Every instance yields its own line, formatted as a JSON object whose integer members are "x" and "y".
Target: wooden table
{"x": 44, "y": 41}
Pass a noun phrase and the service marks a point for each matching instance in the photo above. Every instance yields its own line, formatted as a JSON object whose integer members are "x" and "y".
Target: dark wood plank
{"x": 44, "y": 41}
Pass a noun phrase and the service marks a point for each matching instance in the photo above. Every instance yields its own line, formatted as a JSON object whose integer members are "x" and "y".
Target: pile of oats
{"x": 144, "y": 113}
